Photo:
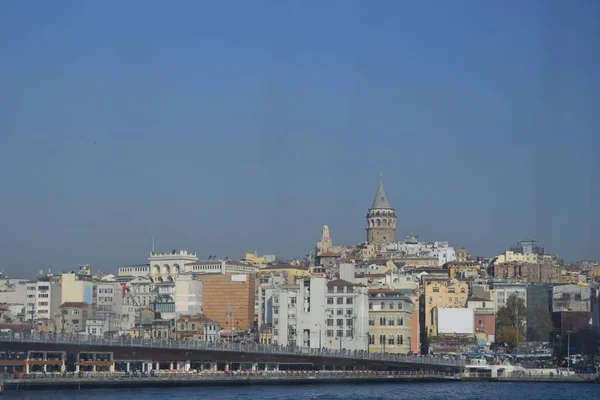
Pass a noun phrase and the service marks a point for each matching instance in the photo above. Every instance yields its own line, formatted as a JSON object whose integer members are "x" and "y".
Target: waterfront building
{"x": 390, "y": 321}
{"x": 381, "y": 219}
{"x": 77, "y": 287}
{"x": 187, "y": 295}
{"x": 316, "y": 313}
{"x": 196, "y": 328}
{"x": 442, "y": 294}
{"x": 43, "y": 299}
{"x": 97, "y": 325}
{"x": 72, "y": 317}
{"x": 229, "y": 299}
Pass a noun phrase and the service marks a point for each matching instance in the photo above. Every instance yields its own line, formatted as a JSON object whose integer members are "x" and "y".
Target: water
{"x": 404, "y": 391}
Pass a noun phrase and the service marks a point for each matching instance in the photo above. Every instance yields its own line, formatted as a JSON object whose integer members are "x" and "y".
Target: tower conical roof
{"x": 381, "y": 200}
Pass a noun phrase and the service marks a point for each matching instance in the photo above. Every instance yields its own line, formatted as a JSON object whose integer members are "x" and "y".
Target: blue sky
{"x": 225, "y": 127}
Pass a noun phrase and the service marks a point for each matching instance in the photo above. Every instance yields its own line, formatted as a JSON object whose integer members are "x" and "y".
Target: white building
{"x": 160, "y": 264}
{"x": 411, "y": 247}
{"x": 43, "y": 299}
{"x": 220, "y": 267}
{"x": 188, "y": 295}
{"x": 96, "y": 326}
{"x": 503, "y": 290}
{"x": 315, "y": 313}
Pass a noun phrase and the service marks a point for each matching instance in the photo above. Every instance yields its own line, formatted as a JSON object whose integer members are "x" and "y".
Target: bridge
{"x": 35, "y": 353}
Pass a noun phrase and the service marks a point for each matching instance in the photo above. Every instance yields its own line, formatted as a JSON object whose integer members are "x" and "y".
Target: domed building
{"x": 381, "y": 219}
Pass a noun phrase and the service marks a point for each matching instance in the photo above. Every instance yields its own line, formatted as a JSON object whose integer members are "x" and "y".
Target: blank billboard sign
{"x": 455, "y": 320}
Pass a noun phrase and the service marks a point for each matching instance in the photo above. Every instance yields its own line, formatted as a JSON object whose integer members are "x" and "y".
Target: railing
{"x": 256, "y": 348}
{"x": 550, "y": 377}
{"x": 211, "y": 376}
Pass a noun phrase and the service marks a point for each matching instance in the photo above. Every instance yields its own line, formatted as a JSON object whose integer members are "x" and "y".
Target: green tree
{"x": 539, "y": 324}
{"x": 510, "y": 322}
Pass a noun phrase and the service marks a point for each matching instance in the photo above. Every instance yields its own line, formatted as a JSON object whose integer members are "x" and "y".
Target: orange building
{"x": 229, "y": 299}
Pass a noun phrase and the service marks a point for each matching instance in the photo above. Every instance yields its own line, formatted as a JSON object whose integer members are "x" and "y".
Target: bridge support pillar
{"x": 127, "y": 366}
{"x": 187, "y": 365}
{"x": 254, "y": 367}
{"x": 171, "y": 366}
{"x": 227, "y": 366}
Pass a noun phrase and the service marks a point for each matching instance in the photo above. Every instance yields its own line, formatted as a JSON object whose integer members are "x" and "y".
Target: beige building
{"x": 443, "y": 294}
{"x": 76, "y": 288}
{"x": 390, "y": 321}
{"x": 510, "y": 256}
{"x": 71, "y": 317}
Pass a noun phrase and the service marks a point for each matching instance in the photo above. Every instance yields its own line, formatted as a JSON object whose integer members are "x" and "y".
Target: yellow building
{"x": 510, "y": 256}
{"x": 293, "y": 272}
{"x": 443, "y": 294}
{"x": 390, "y": 322}
{"x": 456, "y": 268}
{"x": 254, "y": 259}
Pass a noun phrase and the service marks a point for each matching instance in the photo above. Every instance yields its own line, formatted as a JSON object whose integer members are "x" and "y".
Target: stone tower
{"x": 325, "y": 244}
{"x": 381, "y": 219}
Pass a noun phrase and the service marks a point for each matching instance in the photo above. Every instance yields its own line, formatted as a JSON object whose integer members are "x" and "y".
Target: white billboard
{"x": 455, "y": 320}
{"x": 238, "y": 278}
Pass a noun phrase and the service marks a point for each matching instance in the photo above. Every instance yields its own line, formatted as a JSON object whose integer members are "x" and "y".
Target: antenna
{"x": 153, "y": 244}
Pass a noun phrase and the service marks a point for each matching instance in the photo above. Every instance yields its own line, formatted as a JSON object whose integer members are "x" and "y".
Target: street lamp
{"x": 568, "y": 352}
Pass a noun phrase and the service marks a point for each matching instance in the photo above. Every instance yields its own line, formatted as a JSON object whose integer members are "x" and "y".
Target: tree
{"x": 539, "y": 324}
{"x": 509, "y": 320}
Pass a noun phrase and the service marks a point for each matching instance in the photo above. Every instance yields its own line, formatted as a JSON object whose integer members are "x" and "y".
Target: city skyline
{"x": 226, "y": 132}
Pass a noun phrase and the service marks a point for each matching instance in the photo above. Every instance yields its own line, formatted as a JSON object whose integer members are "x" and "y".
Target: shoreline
{"x": 158, "y": 382}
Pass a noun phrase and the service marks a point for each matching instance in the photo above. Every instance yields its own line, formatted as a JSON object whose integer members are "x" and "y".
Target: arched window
{"x": 381, "y": 339}
{"x": 401, "y": 340}
{"x": 391, "y": 339}
{"x": 382, "y": 305}
{"x": 182, "y": 327}
{"x": 193, "y": 327}
{"x": 378, "y": 222}
{"x": 401, "y": 321}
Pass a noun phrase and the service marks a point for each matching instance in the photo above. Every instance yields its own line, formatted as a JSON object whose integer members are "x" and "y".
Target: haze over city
{"x": 233, "y": 127}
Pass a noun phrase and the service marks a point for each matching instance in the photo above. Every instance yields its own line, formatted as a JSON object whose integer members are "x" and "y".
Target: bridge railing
{"x": 169, "y": 376}
{"x": 256, "y": 348}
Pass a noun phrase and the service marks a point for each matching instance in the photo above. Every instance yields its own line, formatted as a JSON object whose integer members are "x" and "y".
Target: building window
{"x": 349, "y": 311}
{"x": 349, "y": 333}
{"x": 371, "y": 322}
{"x": 370, "y": 306}
{"x": 381, "y": 339}
{"x": 391, "y": 322}
{"x": 451, "y": 290}
{"x": 462, "y": 290}
{"x": 329, "y": 333}
{"x": 182, "y": 327}
{"x": 400, "y": 321}
{"x": 276, "y": 310}
{"x": 340, "y": 300}
{"x": 401, "y": 340}
{"x": 340, "y": 322}
{"x": 330, "y": 322}
{"x": 391, "y": 305}
{"x": 399, "y": 305}
{"x": 349, "y": 300}
{"x": 330, "y": 300}
{"x": 340, "y": 311}
{"x": 349, "y": 322}
{"x": 275, "y": 321}
{"x": 382, "y": 321}
{"x": 382, "y": 305}
{"x": 436, "y": 289}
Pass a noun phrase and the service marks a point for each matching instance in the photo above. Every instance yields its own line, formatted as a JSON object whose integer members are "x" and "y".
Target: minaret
{"x": 381, "y": 219}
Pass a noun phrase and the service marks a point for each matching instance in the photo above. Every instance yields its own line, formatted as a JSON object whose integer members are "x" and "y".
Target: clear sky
{"x": 224, "y": 127}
